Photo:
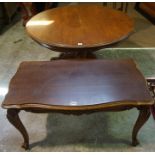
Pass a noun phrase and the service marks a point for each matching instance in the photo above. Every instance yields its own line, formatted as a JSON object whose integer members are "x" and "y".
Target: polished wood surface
{"x": 79, "y": 27}
{"x": 77, "y": 85}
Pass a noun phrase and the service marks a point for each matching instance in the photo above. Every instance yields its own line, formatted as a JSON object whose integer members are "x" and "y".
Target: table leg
{"x": 144, "y": 115}
{"x": 12, "y": 116}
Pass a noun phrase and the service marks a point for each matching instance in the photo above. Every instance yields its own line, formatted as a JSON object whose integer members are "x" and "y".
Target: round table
{"x": 79, "y": 30}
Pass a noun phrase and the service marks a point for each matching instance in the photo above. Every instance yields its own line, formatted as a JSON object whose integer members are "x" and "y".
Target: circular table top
{"x": 79, "y": 26}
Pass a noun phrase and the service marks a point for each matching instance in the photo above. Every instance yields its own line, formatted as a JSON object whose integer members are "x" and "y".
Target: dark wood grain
{"x": 77, "y": 87}
{"x": 68, "y": 84}
{"x": 79, "y": 27}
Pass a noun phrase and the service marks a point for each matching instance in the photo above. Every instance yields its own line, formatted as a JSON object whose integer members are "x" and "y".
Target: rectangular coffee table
{"x": 77, "y": 87}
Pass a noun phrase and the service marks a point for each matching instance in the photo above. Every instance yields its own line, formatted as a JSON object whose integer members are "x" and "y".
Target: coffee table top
{"x": 79, "y": 26}
{"x": 77, "y": 84}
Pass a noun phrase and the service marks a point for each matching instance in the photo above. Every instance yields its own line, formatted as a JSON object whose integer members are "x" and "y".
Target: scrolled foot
{"x": 25, "y": 146}
{"x": 135, "y": 142}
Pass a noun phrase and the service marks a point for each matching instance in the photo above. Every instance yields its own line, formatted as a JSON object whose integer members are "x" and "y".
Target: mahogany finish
{"x": 77, "y": 87}
{"x": 79, "y": 27}
{"x": 73, "y": 84}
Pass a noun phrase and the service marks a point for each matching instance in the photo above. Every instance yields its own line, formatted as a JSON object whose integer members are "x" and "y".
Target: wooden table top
{"x": 79, "y": 26}
{"x": 76, "y": 85}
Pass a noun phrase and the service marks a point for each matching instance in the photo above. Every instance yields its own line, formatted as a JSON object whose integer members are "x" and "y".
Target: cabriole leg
{"x": 12, "y": 116}
{"x": 144, "y": 115}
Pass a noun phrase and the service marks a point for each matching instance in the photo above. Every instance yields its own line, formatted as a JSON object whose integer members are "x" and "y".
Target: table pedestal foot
{"x": 12, "y": 116}
{"x": 144, "y": 115}
{"x": 75, "y": 55}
